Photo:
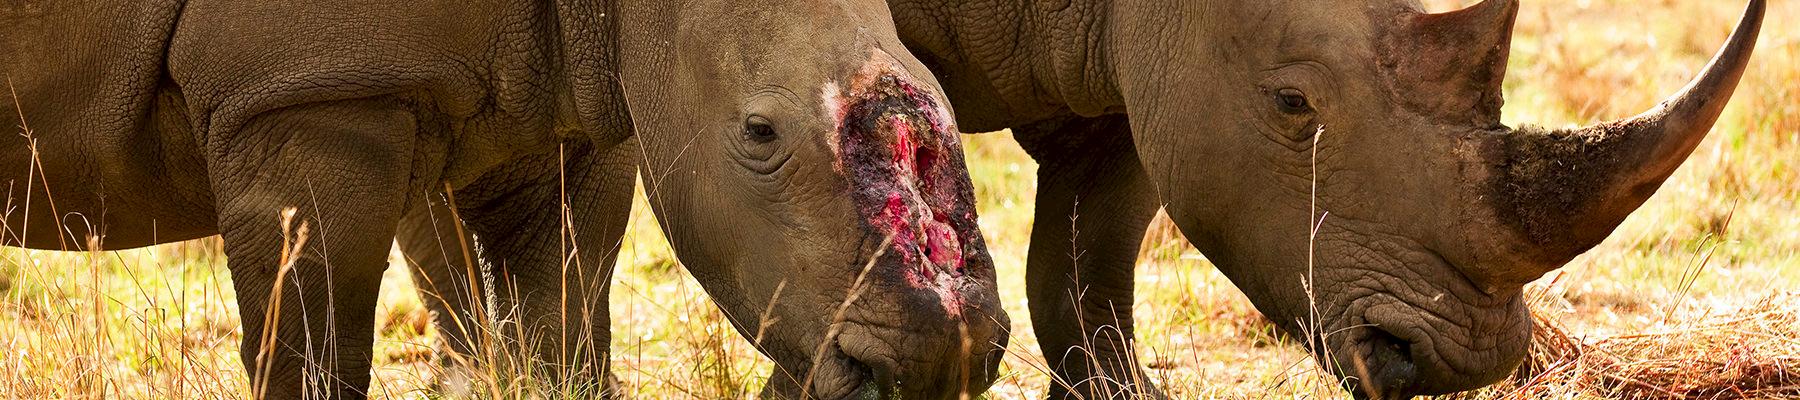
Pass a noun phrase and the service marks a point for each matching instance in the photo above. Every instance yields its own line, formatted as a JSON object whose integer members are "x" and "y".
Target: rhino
{"x": 803, "y": 163}
{"x": 1343, "y": 163}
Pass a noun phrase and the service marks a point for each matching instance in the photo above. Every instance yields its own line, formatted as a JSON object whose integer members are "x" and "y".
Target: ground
{"x": 1697, "y": 288}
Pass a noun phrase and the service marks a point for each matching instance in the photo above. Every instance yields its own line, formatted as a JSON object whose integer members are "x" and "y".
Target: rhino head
{"x": 808, "y": 173}
{"x": 1344, "y": 164}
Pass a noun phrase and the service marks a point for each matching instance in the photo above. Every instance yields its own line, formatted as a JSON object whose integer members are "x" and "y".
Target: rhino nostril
{"x": 1384, "y": 369}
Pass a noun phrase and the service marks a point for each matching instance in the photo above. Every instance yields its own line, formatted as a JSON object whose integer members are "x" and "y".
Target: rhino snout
{"x": 929, "y": 323}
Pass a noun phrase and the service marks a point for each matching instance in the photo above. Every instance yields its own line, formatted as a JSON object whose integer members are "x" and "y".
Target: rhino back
{"x": 122, "y": 97}
{"x": 86, "y": 77}
{"x": 97, "y": 59}
{"x": 481, "y": 76}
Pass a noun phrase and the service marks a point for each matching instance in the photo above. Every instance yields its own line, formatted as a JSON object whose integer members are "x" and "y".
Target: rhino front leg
{"x": 1094, "y": 202}
{"x": 551, "y": 287}
{"x": 342, "y": 168}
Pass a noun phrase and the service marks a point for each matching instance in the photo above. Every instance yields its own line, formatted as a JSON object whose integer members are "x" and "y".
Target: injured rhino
{"x": 518, "y": 126}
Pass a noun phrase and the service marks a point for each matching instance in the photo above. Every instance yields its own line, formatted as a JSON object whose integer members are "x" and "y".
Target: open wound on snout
{"x": 895, "y": 147}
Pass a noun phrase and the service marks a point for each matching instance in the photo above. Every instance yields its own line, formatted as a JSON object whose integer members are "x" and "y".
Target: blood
{"x": 897, "y": 214}
{"x": 924, "y": 161}
{"x": 904, "y": 149}
{"x": 945, "y": 247}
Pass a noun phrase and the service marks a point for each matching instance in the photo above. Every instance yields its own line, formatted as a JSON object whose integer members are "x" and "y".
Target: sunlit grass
{"x": 167, "y": 325}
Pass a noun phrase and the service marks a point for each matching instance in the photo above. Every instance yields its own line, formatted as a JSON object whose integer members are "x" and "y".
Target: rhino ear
{"x": 1450, "y": 65}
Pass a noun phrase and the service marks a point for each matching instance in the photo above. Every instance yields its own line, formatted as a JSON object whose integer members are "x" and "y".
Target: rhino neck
{"x": 1006, "y": 63}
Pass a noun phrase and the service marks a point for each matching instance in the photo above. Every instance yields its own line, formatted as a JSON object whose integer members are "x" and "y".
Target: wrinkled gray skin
{"x": 161, "y": 121}
{"x": 1437, "y": 213}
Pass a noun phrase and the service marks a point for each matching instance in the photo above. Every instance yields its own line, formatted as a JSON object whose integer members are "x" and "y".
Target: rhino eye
{"x": 1292, "y": 101}
{"x": 758, "y": 129}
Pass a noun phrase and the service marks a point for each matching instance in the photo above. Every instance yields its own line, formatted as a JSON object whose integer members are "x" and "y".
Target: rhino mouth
{"x": 883, "y": 362}
{"x": 1441, "y": 337}
{"x": 853, "y": 372}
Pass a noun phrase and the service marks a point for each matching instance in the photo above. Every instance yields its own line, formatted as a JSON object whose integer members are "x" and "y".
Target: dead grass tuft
{"x": 1748, "y": 353}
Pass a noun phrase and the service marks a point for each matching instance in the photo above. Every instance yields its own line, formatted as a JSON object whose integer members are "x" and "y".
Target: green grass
{"x": 160, "y": 322}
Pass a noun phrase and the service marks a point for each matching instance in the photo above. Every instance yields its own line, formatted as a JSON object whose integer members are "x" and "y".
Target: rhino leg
{"x": 1094, "y": 203}
{"x": 516, "y": 225}
{"x": 343, "y": 168}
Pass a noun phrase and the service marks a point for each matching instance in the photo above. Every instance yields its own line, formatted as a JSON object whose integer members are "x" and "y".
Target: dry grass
{"x": 1692, "y": 298}
{"x": 1752, "y": 352}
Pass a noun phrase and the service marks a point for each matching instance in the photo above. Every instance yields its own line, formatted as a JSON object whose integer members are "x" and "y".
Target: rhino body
{"x": 1342, "y": 162}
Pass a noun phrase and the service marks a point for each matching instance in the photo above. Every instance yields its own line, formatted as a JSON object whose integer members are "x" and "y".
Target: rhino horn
{"x": 1450, "y": 65}
{"x": 1570, "y": 188}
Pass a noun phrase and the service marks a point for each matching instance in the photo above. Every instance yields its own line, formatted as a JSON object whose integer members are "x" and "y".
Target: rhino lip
{"x": 864, "y": 381}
